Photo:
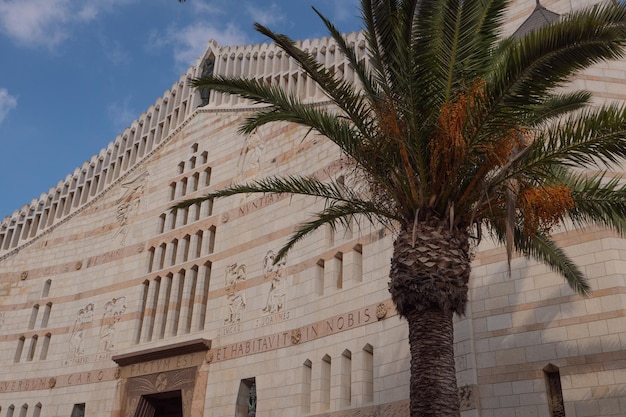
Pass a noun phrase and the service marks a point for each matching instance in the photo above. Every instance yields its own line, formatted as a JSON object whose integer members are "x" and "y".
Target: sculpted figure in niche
{"x": 235, "y": 274}
{"x": 129, "y": 204}
{"x": 277, "y": 295}
{"x": 113, "y": 311}
{"x": 207, "y": 69}
{"x": 85, "y": 316}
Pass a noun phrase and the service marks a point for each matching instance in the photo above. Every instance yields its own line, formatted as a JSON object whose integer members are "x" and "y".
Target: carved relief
{"x": 250, "y": 160}
{"x": 296, "y": 336}
{"x": 381, "y": 311}
{"x": 113, "y": 311}
{"x": 235, "y": 274}
{"x": 129, "y": 204}
{"x": 182, "y": 380}
{"x": 81, "y": 325}
{"x": 467, "y": 397}
{"x": 277, "y": 295}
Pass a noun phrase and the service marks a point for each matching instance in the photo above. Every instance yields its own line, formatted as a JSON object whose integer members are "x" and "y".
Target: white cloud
{"x": 266, "y": 16}
{"x": 7, "y": 103}
{"x": 190, "y": 42}
{"x": 121, "y": 114}
{"x": 345, "y": 10}
{"x": 35, "y": 22}
{"x": 115, "y": 52}
{"x": 208, "y": 7}
{"x": 48, "y": 22}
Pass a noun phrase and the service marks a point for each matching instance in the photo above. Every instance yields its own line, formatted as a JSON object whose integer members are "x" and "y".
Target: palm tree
{"x": 454, "y": 131}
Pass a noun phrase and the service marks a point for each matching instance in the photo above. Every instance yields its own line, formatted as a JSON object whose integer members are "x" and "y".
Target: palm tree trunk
{"x": 428, "y": 283}
{"x": 433, "y": 387}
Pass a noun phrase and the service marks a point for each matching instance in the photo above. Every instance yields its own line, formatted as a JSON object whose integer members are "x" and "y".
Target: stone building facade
{"x": 113, "y": 306}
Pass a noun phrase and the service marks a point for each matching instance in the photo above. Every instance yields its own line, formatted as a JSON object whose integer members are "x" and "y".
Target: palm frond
{"x": 541, "y": 247}
{"x": 594, "y": 137}
{"x": 598, "y": 200}
{"x": 306, "y": 186}
{"x": 333, "y": 215}
{"x": 526, "y": 70}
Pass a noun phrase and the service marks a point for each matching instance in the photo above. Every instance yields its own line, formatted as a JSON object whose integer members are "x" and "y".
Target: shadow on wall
{"x": 540, "y": 351}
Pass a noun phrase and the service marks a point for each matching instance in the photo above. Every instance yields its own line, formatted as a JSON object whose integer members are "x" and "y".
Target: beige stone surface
{"x": 126, "y": 275}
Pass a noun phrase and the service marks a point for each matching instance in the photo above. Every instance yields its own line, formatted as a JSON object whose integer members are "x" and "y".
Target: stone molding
{"x": 155, "y": 353}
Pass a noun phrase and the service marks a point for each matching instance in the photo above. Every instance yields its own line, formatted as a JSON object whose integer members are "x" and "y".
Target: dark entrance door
{"x": 163, "y": 404}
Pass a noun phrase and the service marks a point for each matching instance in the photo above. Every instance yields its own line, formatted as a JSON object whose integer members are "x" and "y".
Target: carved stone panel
{"x": 277, "y": 295}
{"x": 236, "y": 298}
{"x": 177, "y": 380}
{"x": 129, "y": 204}
{"x": 113, "y": 311}
{"x": 79, "y": 333}
{"x": 250, "y": 160}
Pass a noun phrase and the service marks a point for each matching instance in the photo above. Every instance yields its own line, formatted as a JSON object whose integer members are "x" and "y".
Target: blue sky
{"x": 75, "y": 73}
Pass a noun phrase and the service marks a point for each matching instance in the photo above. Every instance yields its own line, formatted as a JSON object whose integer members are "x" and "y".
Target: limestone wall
{"x": 117, "y": 298}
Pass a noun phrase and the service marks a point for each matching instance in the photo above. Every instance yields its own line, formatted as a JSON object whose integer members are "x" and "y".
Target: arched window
{"x": 325, "y": 383}
{"x": 44, "y": 347}
{"x": 37, "y": 410}
{"x": 32, "y": 348}
{"x": 554, "y": 391}
{"x": 46, "y": 288}
{"x": 33, "y": 316}
{"x": 46, "y": 315}
{"x": 346, "y": 378}
{"x": 18, "y": 351}
{"x": 306, "y": 386}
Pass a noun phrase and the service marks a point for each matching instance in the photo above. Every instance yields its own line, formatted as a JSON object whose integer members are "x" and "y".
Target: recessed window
{"x": 555, "y": 393}
{"x": 247, "y": 398}
{"x": 78, "y": 410}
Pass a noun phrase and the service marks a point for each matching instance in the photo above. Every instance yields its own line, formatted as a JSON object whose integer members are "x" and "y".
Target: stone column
{"x": 199, "y": 305}
{"x": 170, "y": 255}
{"x": 148, "y": 316}
{"x": 159, "y": 320}
{"x": 207, "y": 240}
{"x": 173, "y": 312}
{"x": 183, "y": 247}
{"x": 158, "y": 255}
{"x": 187, "y": 302}
{"x": 193, "y": 247}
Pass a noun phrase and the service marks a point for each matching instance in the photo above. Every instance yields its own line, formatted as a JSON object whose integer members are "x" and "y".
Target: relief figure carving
{"x": 113, "y": 311}
{"x": 129, "y": 204}
{"x": 250, "y": 159}
{"x": 235, "y": 274}
{"x": 77, "y": 337}
{"x": 277, "y": 294}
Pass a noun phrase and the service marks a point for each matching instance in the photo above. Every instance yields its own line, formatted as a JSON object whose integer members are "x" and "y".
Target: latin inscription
{"x": 85, "y": 378}
{"x": 259, "y": 203}
{"x": 276, "y": 341}
{"x": 274, "y": 318}
{"x": 161, "y": 365}
{"x": 253, "y": 346}
{"x": 24, "y": 385}
{"x": 232, "y": 329}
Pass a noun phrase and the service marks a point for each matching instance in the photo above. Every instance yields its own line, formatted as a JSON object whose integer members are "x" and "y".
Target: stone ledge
{"x": 175, "y": 349}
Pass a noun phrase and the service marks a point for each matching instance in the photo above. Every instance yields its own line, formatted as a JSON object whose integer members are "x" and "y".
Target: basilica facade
{"x": 112, "y": 305}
